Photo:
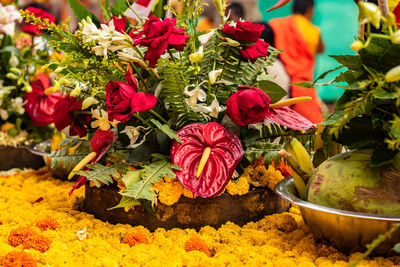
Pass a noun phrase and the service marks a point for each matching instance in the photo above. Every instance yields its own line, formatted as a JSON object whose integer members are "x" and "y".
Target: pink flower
{"x": 160, "y": 35}
{"x": 123, "y": 99}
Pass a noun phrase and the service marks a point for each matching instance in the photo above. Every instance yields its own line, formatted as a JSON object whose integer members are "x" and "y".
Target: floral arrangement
{"x": 26, "y": 96}
{"x": 155, "y": 99}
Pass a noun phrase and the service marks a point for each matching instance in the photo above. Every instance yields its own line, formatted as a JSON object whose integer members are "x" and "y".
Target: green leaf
{"x": 151, "y": 173}
{"x": 81, "y": 12}
{"x": 166, "y": 129}
{"x": 323, "y": 75}
{"x": 348, "y": 76}
{"x": 273, "y": 90}
{"x": 126, "y": 202}
{"x": 381, "y": 93}
{"x": 305, "y": 84}
{"x": 104, "y": 9}
{"x": 119, "y": 7}
{"x": 12, "y": 50}
{"x": 356, "y": 85}
{"x": 350, "y": 61}
{"x": 98, "y": 173}
{"x": 132, "y": 177}
{"x": 395, "y": 127}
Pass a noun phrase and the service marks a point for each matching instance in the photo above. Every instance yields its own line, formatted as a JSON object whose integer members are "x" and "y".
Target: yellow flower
{"x": 169, "y": 190}
{"x": 102, "y": 120}
{"x": 240, "y": 187}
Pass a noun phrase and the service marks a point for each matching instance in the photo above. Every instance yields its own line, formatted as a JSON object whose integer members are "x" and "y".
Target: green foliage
{"x": 81, "y": 12}
{"x": 265, "y": 149}
{"x": 166, "y": 129}
{"x": 64, "y": 155}
{"x": 100, "y": 174}
{"x": 273, "y": 90}
{"x": 138, "y": 182}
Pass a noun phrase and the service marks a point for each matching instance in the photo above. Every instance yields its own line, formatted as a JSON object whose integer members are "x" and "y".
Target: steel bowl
{"x": 346, "y": 230}
{"x": 44, "y": 149}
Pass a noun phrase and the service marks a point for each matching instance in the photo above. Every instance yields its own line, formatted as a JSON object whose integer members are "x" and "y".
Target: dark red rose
{"x": 252, "y": 52}
{"x": 123, "y": 99}
{"x": 100, "y": 143}
{"x": 244, "y": 31}
{"x": 119, "y": 24}
{"x": 64, "y": 116}
{"x": 160, "y": 35}
{"x": 39, "y": 13}
{"x": 248, "y": 105}
{"x": 40, "y": 106}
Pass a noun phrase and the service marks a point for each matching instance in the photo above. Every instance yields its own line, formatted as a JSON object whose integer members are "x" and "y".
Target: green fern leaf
{"x": 166, "y": 129}
{"x": 100, "y": 174}
{"x": 126, "y": 202}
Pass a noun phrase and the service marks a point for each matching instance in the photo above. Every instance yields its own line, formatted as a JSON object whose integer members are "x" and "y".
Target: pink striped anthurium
{"x": 208, "y": 155}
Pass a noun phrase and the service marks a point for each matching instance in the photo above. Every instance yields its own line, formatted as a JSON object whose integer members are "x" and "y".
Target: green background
{"x": 337, "y": 20}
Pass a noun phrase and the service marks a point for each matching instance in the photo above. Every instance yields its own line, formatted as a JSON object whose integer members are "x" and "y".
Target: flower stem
{"x": 158, "y": 116}
{"x": 171, "y": 55}
{"x": 136, "y": 114}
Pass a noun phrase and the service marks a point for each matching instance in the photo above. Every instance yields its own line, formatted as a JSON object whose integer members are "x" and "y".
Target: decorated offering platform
{"x": 40, "y": 225}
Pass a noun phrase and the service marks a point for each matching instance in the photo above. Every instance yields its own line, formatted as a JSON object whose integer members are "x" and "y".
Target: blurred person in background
{"x": 235, "y": 11}
{"x": 301, "y": 41}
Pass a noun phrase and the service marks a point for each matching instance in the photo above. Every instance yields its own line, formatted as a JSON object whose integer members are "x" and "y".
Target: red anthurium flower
{"x": 39, "y": 13}
{"x": 100, "y": 143}
{"x": 252, "y": 52}
{"x": 123, "y": 99}
{"x": 208, "y": 155}
{"x": 64, "y": 116}
{"x": 251, "y": 105}
{"x": 160, "y": 35}
{"x": 119, "y": 24}
{"x": 40, "y": 106}
{"x": 244, "y": 31}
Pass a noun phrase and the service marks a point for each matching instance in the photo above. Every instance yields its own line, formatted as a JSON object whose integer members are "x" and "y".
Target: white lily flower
{"x": 206, "y": 37}
{"x": 89, "y": 31}
{"x": 212, "y": 109}
{"x": 89, "y": 101}
{"x": 213, "y": 75}
{"x": 197, "y": 56}
{"x": 8, "y": 16}
{"x": 133, "y": 133}
{"x": 195, "y": 95}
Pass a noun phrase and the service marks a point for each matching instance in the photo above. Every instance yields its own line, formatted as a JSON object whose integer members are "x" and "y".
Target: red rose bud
{"x": 40, "y": 106}
{"x": 39, "y": 13}
{"x": 123, "y": 100}
{"x": 64, "y": 116}
{"x": 244, "y": 31}
{"x": 248, "y": 105}
{"x": 160, "y": 35}
{"x": 252, "y": 52}
{"x": 208, "y": 155}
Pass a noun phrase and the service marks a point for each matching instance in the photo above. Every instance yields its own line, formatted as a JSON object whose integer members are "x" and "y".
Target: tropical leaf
{"x": 126, "y": 202}
{"x": 72, "y": 150}
{"x": 151, "y": 173}
{"x": 166, "y": 129}
{"x": 100, "y": 174}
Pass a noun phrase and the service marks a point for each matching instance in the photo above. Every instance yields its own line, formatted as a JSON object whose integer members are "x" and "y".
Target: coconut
{"x": 348, "y": 182}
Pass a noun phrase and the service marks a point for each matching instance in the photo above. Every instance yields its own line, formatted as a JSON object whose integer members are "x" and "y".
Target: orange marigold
{"x": 18, "y": 258}
{"x": 29, "y": 239}
{"x": 46, "y": 224}
{"x": 196, "y": 243}
{"x": 135, "y": 238}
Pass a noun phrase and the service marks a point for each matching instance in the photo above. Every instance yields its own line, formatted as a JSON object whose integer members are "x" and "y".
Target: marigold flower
{"x": 135, "y": 238}
{"x": 28, "y": 238}
{"x": 240, "y": 187}
{"x": 169, "y": 190}
{"x": 18, "y": 258}
{"x": 47, "y": 224}
{"x": 196, "y": 243}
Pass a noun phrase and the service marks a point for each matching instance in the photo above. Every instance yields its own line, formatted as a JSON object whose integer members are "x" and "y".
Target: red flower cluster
{"x": 160, "y": 35}
{"x": 119, "y": 24}
{"x": 39, "y": 13}
{"x": 40, "y": 106}
{"x": 123, "y": 99}
{"x": 248, "y": 32}
{"x": 66, "y": 113}
{"x": 250, "y": 105}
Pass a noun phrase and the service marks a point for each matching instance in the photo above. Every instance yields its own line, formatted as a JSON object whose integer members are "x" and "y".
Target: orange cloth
{"x": 299, "y": 59}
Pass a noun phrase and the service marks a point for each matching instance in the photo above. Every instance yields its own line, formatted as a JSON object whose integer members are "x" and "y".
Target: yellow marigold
{"x": 7, "y": 126}
{"x": 135, "y": 238}
{"x": 47, "y": 223}
{"x": 196, "y": 243}
{"x": 239, "y": 187}
{"x": 18, "y": 258}
{"x": 169, "y": 190}
{"x": 29, "y": 239}
{"x": 187, "y": 193}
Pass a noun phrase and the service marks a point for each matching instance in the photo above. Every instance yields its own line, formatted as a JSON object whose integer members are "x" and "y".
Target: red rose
{"x": 123, "y": 99}
{"x": 160, "y": 35}
{"x": 119, "y": 24}
{"x": 39, "y": 13}
{"x": 247, "y": 106}
{"x": 252, "y": 52}
{"x": 244, "y": 31}
{"x": 40, "y": 106}
{"x": 65, "y": 116}
{"x": 100, "y": 143}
